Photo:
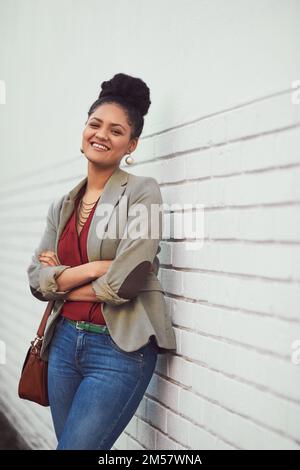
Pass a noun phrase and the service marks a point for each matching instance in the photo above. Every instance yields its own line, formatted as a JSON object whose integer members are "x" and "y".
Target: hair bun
{"x": 132, "y": 90}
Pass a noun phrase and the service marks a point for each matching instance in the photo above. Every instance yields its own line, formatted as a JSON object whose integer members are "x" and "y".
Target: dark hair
{"x": 132, "y": 94}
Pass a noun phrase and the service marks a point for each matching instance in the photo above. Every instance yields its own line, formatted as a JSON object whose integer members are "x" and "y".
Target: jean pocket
{"x": 138, "y": 355}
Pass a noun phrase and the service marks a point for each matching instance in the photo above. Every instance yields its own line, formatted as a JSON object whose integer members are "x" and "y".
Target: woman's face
{"x": 107, "y": 125}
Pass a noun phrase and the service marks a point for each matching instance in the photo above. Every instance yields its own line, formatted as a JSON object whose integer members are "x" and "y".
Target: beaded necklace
{"x": 83, "y": 211}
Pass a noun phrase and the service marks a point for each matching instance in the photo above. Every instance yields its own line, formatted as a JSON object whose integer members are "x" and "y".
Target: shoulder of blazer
{"x": 139, "y": 179}
{"x": 139, "y": 186}
{"x": 55, "y": 209}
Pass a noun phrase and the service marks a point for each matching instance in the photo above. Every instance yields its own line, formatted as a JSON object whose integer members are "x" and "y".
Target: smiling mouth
{"x": 99, "y": 147}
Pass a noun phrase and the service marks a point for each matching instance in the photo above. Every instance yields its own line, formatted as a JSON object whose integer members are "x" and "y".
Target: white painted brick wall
{"x": 234, "y": 303}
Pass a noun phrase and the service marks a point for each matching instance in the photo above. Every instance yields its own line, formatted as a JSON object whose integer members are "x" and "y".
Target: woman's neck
{"x": 97, "y": 179}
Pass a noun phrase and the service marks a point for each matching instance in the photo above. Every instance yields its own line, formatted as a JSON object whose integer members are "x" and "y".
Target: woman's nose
{"x": 100, "y": 135}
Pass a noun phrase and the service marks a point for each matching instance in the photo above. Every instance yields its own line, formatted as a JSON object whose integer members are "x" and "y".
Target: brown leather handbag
{"x": 33, "y": 384}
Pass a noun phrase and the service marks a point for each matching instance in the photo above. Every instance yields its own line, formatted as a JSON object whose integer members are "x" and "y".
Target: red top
{"x": 72, "y": 251}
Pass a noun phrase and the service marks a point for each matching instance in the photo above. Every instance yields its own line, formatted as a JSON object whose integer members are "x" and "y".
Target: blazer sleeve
{"x": 42, "y": 279}
{"x": 127, "y": 273}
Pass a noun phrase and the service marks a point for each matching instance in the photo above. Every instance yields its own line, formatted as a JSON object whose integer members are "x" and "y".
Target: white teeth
{"x": 99, "y": 146}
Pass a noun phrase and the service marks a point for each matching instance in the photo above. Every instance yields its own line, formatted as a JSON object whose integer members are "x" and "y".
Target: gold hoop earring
{"x": 129, "y": 160}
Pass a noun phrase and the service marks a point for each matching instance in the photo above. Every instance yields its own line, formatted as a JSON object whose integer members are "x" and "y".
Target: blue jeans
{"x": 94, "y": 386}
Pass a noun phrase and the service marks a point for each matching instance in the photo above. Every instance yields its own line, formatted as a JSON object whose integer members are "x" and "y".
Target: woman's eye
{"x": 115, "y": 132}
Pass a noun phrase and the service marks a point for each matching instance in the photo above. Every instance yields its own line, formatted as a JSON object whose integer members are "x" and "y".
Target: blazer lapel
{"x": 112, "y": 192}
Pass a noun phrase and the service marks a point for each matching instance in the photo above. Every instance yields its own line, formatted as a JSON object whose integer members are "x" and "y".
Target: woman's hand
{"x": 48, "y": 258}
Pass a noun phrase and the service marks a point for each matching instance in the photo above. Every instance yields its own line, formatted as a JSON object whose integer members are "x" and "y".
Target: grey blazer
{"x": 133, "y": 302}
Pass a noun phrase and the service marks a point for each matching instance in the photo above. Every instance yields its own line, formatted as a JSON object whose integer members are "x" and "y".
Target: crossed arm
{"x": 111, "y": 281}
{"x": 79, "y": 278}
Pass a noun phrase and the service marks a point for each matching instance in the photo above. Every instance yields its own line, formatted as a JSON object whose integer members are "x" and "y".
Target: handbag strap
{"x": 41, "y": 329}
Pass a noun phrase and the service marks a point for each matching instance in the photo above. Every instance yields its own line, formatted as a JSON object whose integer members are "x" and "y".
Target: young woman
{"x": 109, "y": 319}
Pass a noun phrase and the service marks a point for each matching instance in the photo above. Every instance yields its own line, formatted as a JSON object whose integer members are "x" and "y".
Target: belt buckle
{"x": 78, "y": 325}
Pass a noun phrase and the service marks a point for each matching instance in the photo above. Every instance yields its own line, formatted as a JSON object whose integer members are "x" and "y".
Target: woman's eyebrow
{"x": 112, "y": 123}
